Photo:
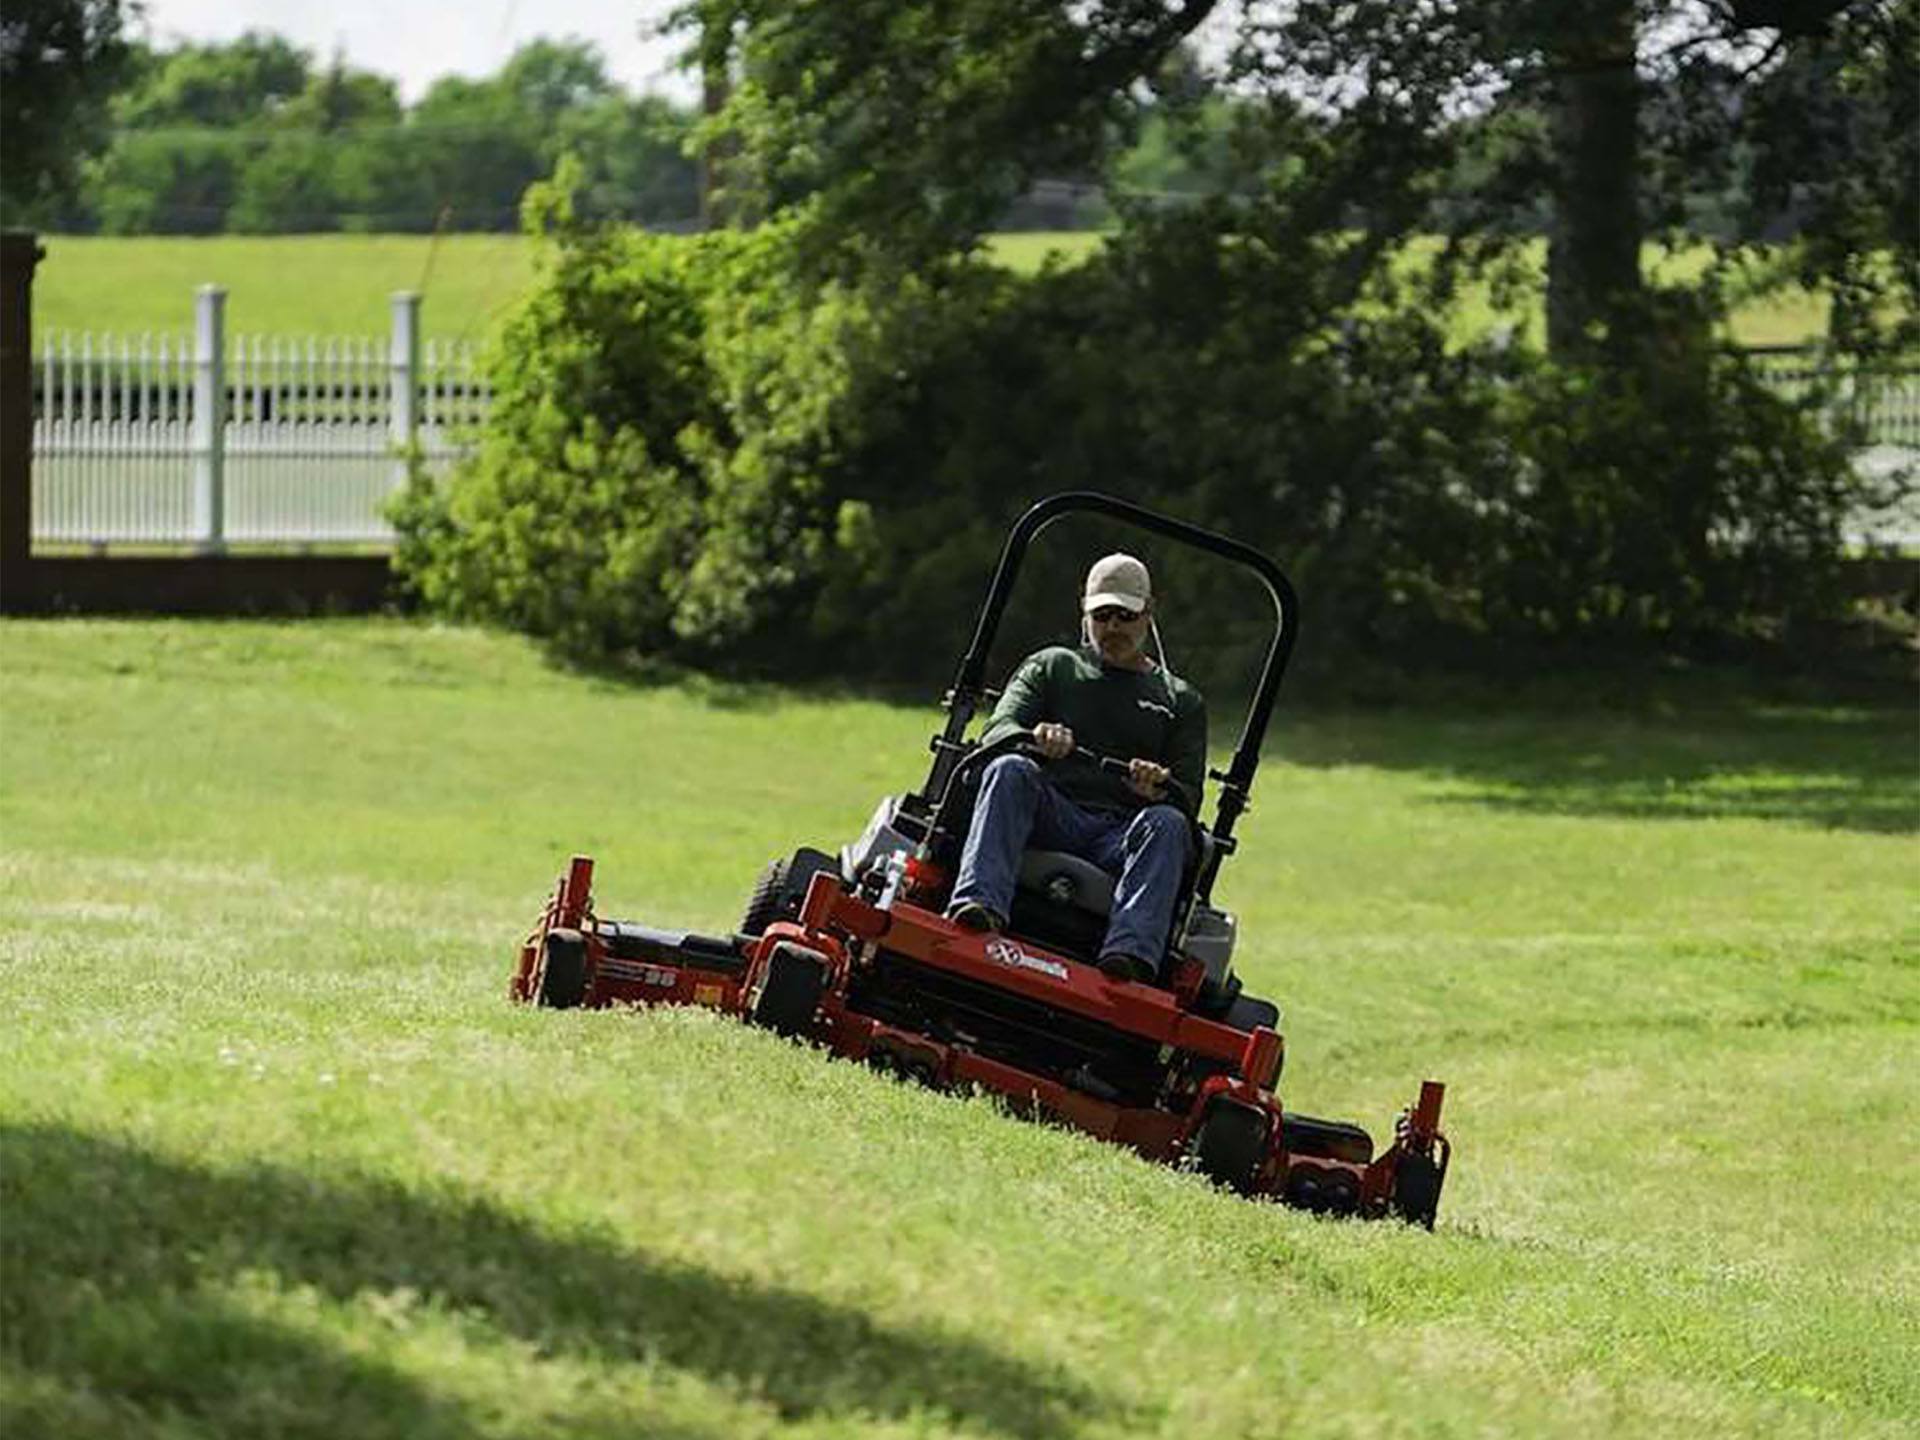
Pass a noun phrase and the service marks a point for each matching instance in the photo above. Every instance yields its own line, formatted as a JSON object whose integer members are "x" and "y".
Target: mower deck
{"x": 881, "y": 979}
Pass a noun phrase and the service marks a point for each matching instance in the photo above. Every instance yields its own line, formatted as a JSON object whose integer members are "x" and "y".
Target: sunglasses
{"x": 1113, "y": 615}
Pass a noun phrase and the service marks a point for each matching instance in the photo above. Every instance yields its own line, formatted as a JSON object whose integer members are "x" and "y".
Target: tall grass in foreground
{"x": 276, "y": 1157}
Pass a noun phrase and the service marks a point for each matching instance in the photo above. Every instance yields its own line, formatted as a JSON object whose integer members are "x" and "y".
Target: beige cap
{"x": 1117, "y": 580}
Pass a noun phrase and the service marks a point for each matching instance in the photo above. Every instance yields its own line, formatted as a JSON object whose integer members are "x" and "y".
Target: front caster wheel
{"x": 563, "y": 971}
{"x": 796, "y": 979}
{"x": 1231, "y": 1144}
{"x": 1416, "y": 1189}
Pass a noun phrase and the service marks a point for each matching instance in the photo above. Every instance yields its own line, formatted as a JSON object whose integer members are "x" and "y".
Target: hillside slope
{"x": 278, "y": 1158}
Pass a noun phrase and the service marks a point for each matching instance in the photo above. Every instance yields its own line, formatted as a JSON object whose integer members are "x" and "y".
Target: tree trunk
{"x": 1593, "y": 255}
{"x": 716, "y": 88}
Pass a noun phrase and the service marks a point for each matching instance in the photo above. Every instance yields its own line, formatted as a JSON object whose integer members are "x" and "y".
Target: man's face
{"x": 1118, "y": 633}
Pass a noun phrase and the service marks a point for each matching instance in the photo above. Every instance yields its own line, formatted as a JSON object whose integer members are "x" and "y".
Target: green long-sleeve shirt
{"x": 1131, "y": 714}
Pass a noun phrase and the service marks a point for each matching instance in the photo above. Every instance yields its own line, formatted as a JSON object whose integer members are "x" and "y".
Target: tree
{"x": 548, "y": 78}
{"x": 338, "y": 98}
{"x": 220, "y": 86}
{"x": 633, "y": 160}
{"x": 169, "y": 182}
{"x": 476, "y": 151}
{"x": 910, "y": 123}
{"x": 60, "y": 61}
{"x": 1255, "y": 359}
{"x": 1651, "y": 103}
{"x": 480, "y": 143}
{"x": 326, "y": 159}
{"x": 287, "y": 188}
{"x": 254, "y": 135}
{"x": 917, "y": 123}
{"x": 1182, "y": 149}
{"x": 1833, "y": 152}
{"x": 187, "y": 125}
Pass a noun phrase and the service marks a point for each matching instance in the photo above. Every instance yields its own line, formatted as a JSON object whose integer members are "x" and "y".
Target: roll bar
{"x": 1236, "y": 782}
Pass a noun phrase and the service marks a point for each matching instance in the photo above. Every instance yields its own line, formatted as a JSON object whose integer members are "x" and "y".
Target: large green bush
{"x": 701, "y": 450}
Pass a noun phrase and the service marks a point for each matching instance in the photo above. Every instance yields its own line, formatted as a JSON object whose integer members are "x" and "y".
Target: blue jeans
{"x": 1147, "y": 850}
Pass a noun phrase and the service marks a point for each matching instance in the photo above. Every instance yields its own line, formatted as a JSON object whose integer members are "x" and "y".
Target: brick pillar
{"x": 19, "y": 253}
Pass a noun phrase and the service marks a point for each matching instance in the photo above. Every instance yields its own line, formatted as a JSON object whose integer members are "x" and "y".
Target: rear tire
{"x": 781, "y": 888}
{"x": 763, "y": 906}
{"x": 1230, "y": 1144}
{"x": 563, "y": 973}
{"x": 796, "y": 979}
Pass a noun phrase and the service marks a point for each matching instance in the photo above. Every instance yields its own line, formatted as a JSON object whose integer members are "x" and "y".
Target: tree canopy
{"x": 60, "y": 61}
{"x": 256, "y": 135}
{"x": 833, "y": 405}
{"x": 911, "y": 124}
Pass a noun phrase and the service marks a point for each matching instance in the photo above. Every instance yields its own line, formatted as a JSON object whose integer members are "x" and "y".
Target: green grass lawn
{"x": 340, "y": 284}
{"x": 279, "y": 285}
{"x": 279, "y": 1157}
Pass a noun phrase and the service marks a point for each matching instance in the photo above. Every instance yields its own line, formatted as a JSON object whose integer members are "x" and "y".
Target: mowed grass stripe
{"x": 278, "y": 1155}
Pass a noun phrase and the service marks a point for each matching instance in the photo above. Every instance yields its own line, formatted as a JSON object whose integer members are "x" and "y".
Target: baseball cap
{"x": 1117, "y": 580}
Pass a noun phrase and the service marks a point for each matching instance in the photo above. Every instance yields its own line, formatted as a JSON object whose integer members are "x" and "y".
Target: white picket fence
{"x": 213, "y": 440}
{"x": 209, "y": 441}
{"x": 1881, "y": 405}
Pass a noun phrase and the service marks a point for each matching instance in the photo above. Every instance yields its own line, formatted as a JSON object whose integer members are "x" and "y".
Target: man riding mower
{"x": 1130, "y": 820}
{"x": 1037, "y": 919}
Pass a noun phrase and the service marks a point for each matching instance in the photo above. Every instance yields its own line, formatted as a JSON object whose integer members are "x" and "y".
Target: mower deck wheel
{"x": 563, "y": 975}
{"x": 1230, "y": 1144}
{"x": 1416, "y": 1189}
{"x": 796, "y": 979}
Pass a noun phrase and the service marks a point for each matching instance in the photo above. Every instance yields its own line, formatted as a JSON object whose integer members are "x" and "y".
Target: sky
{"x": 417, "y": 41}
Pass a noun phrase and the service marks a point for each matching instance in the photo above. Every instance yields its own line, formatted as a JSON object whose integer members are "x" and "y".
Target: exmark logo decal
{"x": 1008, "y": 953}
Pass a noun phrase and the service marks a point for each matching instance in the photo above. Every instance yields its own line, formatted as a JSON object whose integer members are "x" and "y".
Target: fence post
{"x": 19, "y": 253}
{"x": 403, "y": 379}
{"x": 210, "y": 417}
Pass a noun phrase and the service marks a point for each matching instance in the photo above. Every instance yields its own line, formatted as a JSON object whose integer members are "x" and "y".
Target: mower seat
{"x": 1063, "y": 900}
{"x": 1067, "y": 880}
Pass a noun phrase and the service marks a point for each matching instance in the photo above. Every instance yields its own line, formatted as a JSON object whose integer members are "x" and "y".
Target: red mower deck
{"x": 797, "y": 977}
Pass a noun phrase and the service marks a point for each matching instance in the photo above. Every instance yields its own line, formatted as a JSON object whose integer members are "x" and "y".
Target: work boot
{"x": 1126, "y": 967}
{"x": 971, "y": 915}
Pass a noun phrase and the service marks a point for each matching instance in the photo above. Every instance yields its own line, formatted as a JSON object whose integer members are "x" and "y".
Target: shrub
{"x": 701, "y": 450}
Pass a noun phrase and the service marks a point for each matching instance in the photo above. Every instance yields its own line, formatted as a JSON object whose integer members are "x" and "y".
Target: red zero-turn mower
{"x": 853, "y": 953}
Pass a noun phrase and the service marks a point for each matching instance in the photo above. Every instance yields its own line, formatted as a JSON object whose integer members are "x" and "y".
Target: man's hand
{"x": 1052, "y": 740}
{"x": 1147, "y": 779}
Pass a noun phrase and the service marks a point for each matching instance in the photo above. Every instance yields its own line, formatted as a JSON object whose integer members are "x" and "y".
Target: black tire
{"x": 1416, "y": 1189}
{"x": 763, "y": 906}
{"x": 563, "y": 975}
{"x": 795, "y": 982}
{"x": 1230, "y": 1144}
{"x": 781, "y": 888}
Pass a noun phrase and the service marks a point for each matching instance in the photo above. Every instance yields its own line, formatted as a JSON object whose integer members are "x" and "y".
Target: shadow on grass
{"x": 119, "y": 1263}
{"x": 1837, "y": 767}
{"x": 743, "y": 693}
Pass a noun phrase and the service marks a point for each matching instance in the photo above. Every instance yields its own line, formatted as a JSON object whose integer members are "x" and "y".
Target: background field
{"x": 279, "y": 1157}
{"x": 340, "y": 284}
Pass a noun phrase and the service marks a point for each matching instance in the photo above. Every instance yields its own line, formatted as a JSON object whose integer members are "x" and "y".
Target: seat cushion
{"x": 1067, "y": 879}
